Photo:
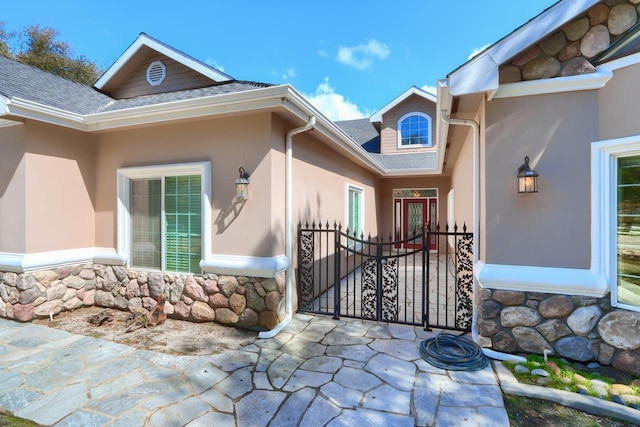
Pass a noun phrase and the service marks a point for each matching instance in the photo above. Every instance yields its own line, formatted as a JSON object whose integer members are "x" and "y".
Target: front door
{"x": 412, "y": 214}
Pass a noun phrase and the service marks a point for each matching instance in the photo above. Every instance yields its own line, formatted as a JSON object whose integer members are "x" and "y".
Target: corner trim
{"x": 591, "y": 81}
{"x": 245, "y": 265}
{"x": 551, "y": 280}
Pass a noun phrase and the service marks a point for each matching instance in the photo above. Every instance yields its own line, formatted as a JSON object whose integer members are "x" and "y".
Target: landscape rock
{"x": 628, "y": 361}
{"x": 553, "y": 44}
{"x": 47, "y": 308}
{"x": 23, "y": 312}
{"x": 577, "y": 66}
{"x": 509, "y": 297}
{"x": 542, "y": 67}
{"x": 104, "y": 299}
{"x": 25, "y": 281}
{"x": 575, "y": 30}
{"x": 598, "y": 14}
{"x": 556, "y": 306}
{"x": 530, "y": 340}
{"x": 575, "y": 348}
{"x": 595, "y": 41}
{"x": 621, "y": 18}
{"x": 46, "y": 277}
{"x": 195, "y": 291}
{"x": 553, "y": 329}
{"x": 201, "y": 312}
{"x": 504, "y": 342}
{"x": 227, "y": 285}
{"x": 226, "y": 316}
{"x": 155, "y": 281}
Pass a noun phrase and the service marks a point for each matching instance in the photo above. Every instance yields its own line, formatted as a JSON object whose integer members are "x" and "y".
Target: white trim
{"x": 145, "y": 40}
{"x": 41, "y": 112}
{"x": 245, "y": 265}
{"x": 377, "y": 116}
{"x": 153, "y": 171}
{"x": 425, "y": 116}
{"x": 616, "y": 64}
{"x": 563, "y": 281}
{"x": 590, "y": 81}
{"x": 604, "y": 155}
{"x": 25, "y": 263}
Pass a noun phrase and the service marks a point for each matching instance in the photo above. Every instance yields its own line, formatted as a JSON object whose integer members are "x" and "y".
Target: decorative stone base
{"x": 575, "y": 327}
{"x": 249, "y": 302}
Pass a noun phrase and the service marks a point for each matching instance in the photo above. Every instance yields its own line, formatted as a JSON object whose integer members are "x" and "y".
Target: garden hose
{"x": 453, "y": 352}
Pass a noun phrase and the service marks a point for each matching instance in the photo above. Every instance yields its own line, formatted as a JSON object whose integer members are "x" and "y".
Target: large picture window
{"x": 414, "y": 130}
{"x": 161, "y": 210}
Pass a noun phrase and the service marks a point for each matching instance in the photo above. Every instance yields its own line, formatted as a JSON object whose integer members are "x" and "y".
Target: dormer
{"x": 149, "y": 67}
{"x": 406, "y": 124}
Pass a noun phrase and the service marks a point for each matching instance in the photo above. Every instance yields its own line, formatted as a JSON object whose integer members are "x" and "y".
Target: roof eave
{"x": 481, "y": 73}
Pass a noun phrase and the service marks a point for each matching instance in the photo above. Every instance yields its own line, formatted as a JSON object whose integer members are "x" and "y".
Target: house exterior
{"x": 556, "y": 270}
{"x": 115, "y": 194}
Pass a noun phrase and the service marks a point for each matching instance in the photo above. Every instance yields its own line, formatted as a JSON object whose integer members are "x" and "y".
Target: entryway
{"x": 413, "y": 209}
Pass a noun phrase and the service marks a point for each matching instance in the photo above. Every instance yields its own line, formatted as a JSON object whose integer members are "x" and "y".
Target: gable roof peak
{"x": 144, "y": 40}
{"x": 413, "y": 90}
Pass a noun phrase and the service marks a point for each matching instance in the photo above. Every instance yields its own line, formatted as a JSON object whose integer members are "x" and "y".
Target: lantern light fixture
{"x": 527, "y": 178}
{"x": 242, "y": 185}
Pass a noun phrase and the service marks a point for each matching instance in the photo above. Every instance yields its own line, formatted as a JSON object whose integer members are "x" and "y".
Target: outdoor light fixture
{"x": 242, "y": 185}
{"x": 527, "y": 178}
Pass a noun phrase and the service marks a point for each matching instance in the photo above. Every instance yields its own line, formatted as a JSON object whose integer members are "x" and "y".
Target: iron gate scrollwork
{"x": 391, "y": 280}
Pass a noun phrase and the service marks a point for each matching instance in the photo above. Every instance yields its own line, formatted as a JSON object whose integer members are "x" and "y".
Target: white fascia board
{"x": 144, "y": 40}
{"x": 481, "y": 73}
{"x": 4, "y": 105}
{"x": 590, "y": 81}
{"x": 616, "y": 64}
{"x": 551, "y": 280}
{"x": 44, "y": 113}
{"x": 443, "y": 106}
{"x": 377, "y": 116}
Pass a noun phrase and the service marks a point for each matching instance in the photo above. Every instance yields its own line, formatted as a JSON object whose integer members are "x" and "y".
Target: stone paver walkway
{"x": 316, "y": 372}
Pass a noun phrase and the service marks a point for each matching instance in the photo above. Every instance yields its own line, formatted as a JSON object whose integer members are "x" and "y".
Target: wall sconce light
{"x": 242, "y": 185}
{"x": 527, "y": 178}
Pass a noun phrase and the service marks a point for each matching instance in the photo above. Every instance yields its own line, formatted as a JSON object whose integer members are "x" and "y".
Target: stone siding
{"x": 568, "y": 51}
{"x": 248, "y": 302}
{"x": 574, "y": 327}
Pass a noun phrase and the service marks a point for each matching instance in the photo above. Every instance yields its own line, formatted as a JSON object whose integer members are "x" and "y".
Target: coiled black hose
{"x": 453, "y": 352}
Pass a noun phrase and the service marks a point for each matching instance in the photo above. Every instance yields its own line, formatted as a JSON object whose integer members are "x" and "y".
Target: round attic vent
{"x": 156, "y": 73}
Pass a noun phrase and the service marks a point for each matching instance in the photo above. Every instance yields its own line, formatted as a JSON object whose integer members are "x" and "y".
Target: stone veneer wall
{"x": 239, "y": 301}
{"x": 567, "y": 51}
{"x": 575, "y": 327}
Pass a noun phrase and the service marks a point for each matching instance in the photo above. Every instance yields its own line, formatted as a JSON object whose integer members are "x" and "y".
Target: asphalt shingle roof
{"x": 365, "y": 134}
{"x": 18, "y": 80}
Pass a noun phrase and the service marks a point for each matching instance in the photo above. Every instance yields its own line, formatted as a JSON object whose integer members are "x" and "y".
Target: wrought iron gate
{"x": 392, "y": 280}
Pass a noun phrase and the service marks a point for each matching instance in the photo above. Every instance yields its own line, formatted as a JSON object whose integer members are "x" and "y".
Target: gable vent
{"x": 156, "y": 73}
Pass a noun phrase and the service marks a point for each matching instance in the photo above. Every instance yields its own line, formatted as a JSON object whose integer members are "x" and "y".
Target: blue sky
{"x": 349, "y": 57}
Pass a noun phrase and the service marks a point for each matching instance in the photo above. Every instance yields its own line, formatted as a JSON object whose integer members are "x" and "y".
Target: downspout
{"x": 289, "y": 227}
{"x": 475, "y": 129}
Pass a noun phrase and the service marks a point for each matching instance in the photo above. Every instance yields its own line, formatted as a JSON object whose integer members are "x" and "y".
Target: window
{"x": 628, "y": 230}
{"x": 163, "y": 216}
{"x": 355, "y": 210}
{"x": 616, "y": 211}
{"x": 414, "y": 130}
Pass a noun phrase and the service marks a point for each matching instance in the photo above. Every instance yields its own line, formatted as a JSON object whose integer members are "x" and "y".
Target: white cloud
{"x": 323, "y": 53}
{"x": 334, "y": 105}
{"x": 213, "y": 63}
{"x": 478, "y": 50}
{"x": 290, "y": 73}
{"x": 362, "y": 56}
{"x": 431, "y": 89}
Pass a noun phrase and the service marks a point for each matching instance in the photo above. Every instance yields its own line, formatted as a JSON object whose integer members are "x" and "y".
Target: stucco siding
{"x": 389, "y": 130}
{"x": 12, "y": 189}
{"x": 618, "y": 110}
{"x": 550, "y": 228}
{"x": 60, "y": 188}
{"x": 178, "y": 77}
{"x": 237, "y": 228}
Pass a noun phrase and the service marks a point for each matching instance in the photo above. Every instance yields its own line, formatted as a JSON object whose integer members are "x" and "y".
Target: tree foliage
{"x": 39, "y": 47}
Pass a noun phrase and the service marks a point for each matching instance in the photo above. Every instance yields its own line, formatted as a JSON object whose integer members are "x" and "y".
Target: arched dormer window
{"x": 414, "y": 130}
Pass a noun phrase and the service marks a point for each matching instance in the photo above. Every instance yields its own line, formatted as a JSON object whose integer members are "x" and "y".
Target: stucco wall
{"x": 12, "y": 189}
{"x": 389, "y": 130}
{"x": 550, "y": 228}
{"x": 238, "y": 228}
{"x": 618, "y": 100}
{"x": 60, "y": 188}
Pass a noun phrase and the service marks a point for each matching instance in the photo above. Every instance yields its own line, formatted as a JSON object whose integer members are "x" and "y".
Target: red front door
{"x": 415, "y": 214}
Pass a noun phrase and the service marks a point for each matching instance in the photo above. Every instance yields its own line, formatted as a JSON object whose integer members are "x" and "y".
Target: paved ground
{"x": 317, "y": 372}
